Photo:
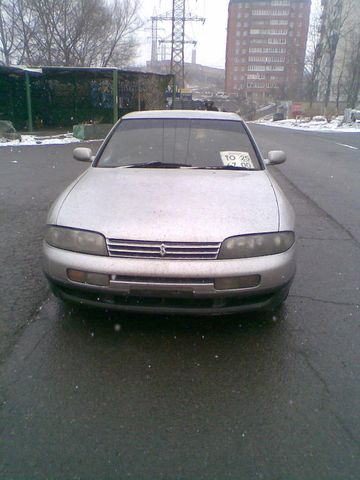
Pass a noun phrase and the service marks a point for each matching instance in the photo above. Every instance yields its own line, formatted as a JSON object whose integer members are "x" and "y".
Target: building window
{"x": 278, "y": 22}
{"x": 280, "y": 3}
{"x": 267, "y": 13}
{"x": 277, "y": 41}
{"x": 268, "y": 31}
{"x": 267, "y": 50}
{"x": 267, "y": 59}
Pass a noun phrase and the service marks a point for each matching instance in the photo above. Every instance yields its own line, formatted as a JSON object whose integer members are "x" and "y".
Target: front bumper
{"x": 171, "y": 286}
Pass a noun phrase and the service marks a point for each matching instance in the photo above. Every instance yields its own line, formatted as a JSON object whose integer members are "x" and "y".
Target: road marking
{"x": 348, "y": 146}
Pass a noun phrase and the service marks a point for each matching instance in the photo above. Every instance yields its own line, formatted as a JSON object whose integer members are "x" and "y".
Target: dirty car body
{"x": 177, "y": 214}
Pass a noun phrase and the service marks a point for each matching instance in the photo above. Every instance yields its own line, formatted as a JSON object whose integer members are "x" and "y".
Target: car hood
{"x": 169, "y": 205}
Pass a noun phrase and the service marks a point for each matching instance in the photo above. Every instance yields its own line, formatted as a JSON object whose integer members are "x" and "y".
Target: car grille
{"x": 162, "y": 250}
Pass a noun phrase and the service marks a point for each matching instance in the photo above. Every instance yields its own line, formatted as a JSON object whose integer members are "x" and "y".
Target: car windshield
{"x": 171, "y": 143}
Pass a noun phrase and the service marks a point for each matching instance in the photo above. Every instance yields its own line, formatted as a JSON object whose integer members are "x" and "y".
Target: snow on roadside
{"x": 312, "y": 125}
{"x": 40, "y": 140}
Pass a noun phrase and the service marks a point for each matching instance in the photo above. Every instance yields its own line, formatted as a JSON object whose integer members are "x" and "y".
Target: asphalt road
{"x": 100, "y": 396}
{"x": 325, "y": 166}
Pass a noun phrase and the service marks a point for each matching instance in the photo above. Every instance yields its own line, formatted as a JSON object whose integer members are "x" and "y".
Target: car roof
{"x": 189, "y": 114}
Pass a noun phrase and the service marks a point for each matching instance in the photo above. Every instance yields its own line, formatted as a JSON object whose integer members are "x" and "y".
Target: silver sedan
{"x": 176, "y": 214}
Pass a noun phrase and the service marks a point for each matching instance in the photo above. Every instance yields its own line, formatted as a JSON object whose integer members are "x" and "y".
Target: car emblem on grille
{"x": 162, "y": 250}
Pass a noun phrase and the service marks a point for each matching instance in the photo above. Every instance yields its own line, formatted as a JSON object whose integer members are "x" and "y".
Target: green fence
{"x": 53, "y": 97}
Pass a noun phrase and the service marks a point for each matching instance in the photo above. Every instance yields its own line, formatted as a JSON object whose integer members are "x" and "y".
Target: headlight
{"x": 247, "y": 246}
{"x": 80, "y": 241}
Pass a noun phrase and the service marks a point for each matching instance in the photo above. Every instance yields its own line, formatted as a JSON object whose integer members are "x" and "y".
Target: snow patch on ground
{"x": 40, "y": 140}
{"x": 312, "y": 125}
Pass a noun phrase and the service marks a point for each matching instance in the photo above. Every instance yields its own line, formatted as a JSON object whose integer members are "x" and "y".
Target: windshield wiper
{"x": 226, "y": 167}
{"x": 157, "y": 165}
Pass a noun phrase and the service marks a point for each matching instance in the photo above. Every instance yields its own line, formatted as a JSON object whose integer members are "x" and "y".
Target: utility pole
{"x": 178, "y": 18}
{"x": 154, "y": 39}
{"x": 178, "y": 42}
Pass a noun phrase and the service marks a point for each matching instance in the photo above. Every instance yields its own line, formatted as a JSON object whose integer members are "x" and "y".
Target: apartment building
{"x": 266, "y": 43}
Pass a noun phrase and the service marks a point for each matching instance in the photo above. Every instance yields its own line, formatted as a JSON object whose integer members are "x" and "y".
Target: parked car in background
{"x": 176, "y": 214}
{"x": 278, "y": 116}
{"x": 319, "y": 119}
{"x": 355, "y": 115}
{"x": 8, "y": 132}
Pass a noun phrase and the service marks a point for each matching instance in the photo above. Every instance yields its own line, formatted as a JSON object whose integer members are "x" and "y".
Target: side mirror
{"x": 275, "y": 157}
{"x": 83, "y": 154}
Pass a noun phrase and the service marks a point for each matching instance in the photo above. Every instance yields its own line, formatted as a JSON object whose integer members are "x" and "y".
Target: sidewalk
{"x": 47, "y": 132}
{"x": 44, "y": 137}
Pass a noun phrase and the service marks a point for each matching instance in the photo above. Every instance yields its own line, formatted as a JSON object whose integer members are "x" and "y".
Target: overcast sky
{"x": 211, "y": 36}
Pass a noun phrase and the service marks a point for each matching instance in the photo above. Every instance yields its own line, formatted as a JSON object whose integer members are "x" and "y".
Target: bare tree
{"x": 26, "y": 28}
{"x": 120, "y": 45}
{"x": 334, "y": 29}
{"x": 68, "y": 32}
{"x": 95, "y": 24}
{"x": 313, "y": 56}
{"x": 63, "y": 27}
{"x": 8, "y": 38}
{"x": 353, "y": 69}
{"x": 339, "y": 83}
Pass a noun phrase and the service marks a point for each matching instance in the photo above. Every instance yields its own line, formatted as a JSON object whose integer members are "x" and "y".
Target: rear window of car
{"x": 191, "y": 142}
